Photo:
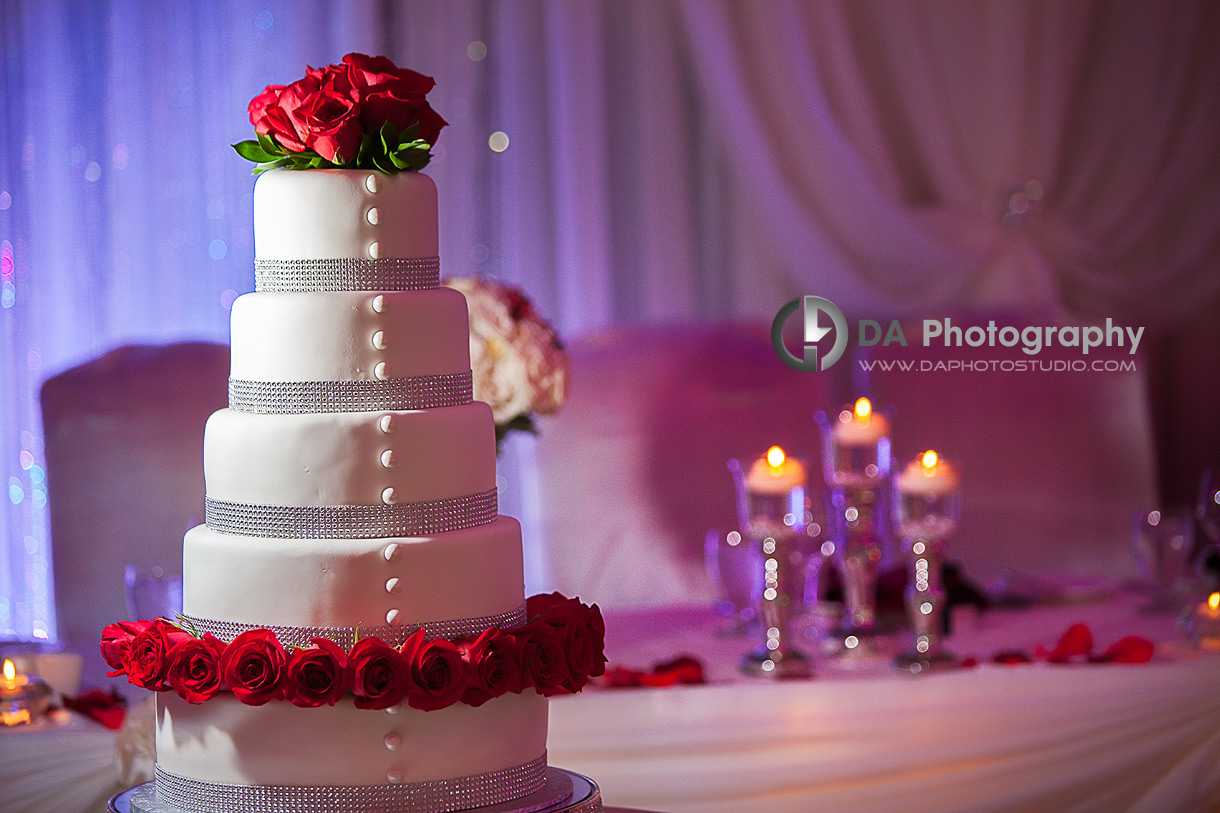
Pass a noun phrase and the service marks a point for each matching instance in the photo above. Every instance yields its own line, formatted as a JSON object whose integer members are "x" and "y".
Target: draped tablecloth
{"x": 1086, "y": 737}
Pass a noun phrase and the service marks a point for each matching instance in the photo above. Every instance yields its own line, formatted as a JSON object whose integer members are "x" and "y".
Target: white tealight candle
{"x": 775, "y": 473}
{"x": 860, "y": 426}
{"x": 929, "y": 475}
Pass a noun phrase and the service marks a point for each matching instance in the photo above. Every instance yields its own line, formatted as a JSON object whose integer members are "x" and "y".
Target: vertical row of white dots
{"x": 373, "y": 184}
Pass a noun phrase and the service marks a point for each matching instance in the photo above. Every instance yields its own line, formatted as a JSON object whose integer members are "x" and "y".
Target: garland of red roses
{"x": 557, "y": 650}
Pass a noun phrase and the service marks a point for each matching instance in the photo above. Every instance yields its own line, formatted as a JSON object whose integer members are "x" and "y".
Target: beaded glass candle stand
{"x": 855, "y": 464}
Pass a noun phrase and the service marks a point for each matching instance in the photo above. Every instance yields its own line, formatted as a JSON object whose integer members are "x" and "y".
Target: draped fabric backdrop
{"x": 667, "y": 161}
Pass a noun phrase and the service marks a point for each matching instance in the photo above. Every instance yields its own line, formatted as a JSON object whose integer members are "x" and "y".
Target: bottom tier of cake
{"x": 222, "y": 755}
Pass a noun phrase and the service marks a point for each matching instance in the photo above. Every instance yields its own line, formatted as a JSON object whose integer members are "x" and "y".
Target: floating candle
{"x": 775, "y": 473}
{"x": 930, "y": 475}
{"x": 859, "y": 425}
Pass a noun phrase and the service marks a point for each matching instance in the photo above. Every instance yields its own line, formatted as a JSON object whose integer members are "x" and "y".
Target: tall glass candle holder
{"x": 773, "y": 510}
{"x": 856, "y": 464}
{"x": 927, "y": 507}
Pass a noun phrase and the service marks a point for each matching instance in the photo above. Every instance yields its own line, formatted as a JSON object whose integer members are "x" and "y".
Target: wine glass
{"x": 151, "y": 592}
{"x": 1163, "y": 543}
{"x": 735, "y": 573}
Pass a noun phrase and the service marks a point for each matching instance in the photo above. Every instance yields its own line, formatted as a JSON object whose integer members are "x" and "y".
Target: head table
{"x": 858, "y": 736}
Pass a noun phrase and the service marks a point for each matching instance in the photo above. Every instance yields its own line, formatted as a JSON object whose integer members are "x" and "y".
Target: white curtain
{"x": 906, "y": 156}
{"x": 667, "y": 161}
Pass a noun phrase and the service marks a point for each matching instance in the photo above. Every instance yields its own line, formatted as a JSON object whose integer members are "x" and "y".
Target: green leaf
{"x": 269, "y": 145}
{"x": 387, "y": 138}
{"x": 263, "y": 166}
{"x": 401, "y": 163}
{"x": 411, "y": 133}
{"x": 384, "y": 164}
{"x": 253, "y": 151}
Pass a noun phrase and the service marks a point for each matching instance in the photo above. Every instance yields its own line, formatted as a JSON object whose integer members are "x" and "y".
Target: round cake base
{"x": 564, "y": 792}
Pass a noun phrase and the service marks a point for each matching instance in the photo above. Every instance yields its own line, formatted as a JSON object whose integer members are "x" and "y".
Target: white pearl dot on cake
{"x": 380, "y": 371}
{"x": 393, "y": 586}
{"x": 396, "y": 775}
{"x": 386, "y": 423}
{"x": 375, "y": 250}
{"x": 390, "y": 552}
{"x": 379, "y": 340}
{"x": 393, "y": 709}
{"x": 393, "y": 618}
{"x": 389, "y": 496}
{"x": 379, "y": 304}
{"x": 393, "y": 741}
{"x": 372, "y": 183}
{"x": 373, "y": 216}
{"x": 389, "y": 459}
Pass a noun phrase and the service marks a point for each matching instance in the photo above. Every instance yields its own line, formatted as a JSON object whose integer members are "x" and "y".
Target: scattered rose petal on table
{"x": 1131, "y": 649}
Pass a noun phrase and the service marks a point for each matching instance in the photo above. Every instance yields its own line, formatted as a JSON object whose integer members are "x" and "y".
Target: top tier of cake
{"x": 329, "y": 213}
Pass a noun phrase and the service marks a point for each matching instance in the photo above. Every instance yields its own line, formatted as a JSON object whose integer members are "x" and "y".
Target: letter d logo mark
{"x": 813, "y": 332}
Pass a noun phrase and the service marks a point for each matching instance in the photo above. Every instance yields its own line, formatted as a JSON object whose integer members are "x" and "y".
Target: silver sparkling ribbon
{"x": 346, "y": 637}
{"x": 300, "y": 397}
{"x": 347, "y": 274}
{"x": 351, "y": 521}
{"x": 436, "y": 796}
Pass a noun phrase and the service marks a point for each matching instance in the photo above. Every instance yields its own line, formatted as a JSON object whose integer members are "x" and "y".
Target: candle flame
{"x": 775, "y": 457}
{"x": 929, "y": 460}
{"x": 10, "y": 671}
{"x": 1213, "y": 601}
{"x": 863, "y": 408}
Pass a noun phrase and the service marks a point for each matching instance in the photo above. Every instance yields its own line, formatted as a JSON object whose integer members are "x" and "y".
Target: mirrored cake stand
{"x": 565, "y": 792}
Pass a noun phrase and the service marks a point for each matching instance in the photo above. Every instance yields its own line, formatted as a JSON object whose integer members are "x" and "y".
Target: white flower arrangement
{"x": 519, "y": 365}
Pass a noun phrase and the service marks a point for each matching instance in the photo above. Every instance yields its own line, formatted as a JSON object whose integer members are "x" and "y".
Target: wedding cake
{"x": 355, "y": 634}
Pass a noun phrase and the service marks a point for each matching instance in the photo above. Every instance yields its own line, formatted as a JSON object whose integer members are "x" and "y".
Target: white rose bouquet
{"x": 519, "y": 365}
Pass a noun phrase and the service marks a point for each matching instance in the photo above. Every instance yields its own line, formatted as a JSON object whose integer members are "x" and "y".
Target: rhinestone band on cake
{"x": 347, "y": 274}
{"x": 346, "y": 637}
{"x": 438, "y": 796}
{"x": 300, "y": 397}
{"x": 351, "y": 521}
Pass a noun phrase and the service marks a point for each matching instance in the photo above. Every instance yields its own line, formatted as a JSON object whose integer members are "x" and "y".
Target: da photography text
{"x": 825, "y": 333}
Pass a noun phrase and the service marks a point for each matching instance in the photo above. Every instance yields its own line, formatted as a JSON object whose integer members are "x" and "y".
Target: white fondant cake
{"x": 310, "y": 450}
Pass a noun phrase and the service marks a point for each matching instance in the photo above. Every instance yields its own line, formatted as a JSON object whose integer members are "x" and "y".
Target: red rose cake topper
{"x": 363, "y": 113}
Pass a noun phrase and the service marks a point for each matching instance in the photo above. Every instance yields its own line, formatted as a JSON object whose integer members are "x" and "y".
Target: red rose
{"x": 379, "y": 674}
{"x": 194, "y": 668}
{"x": 438, "y": 673}
{"x": 324, "y": 116}
{"x": 253, "y": 666}
{"x": 272, "y": 120}
{"x": 494, "y": 660}
{"x": 389, "y": 93}
{"x": 148, "y": 661}
{"x": 581, "y": 631}
{"x": 543, "y": 664}
{"x": 374, "y": 72}
{"x": 116, "y": 644}
{"x": 316, "y": 675}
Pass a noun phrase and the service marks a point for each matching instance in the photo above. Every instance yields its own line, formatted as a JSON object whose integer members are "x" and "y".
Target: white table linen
{"x": 1077, "y": 737}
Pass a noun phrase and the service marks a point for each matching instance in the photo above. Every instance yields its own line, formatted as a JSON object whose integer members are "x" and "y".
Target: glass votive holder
{"x": 1202, "y": 624}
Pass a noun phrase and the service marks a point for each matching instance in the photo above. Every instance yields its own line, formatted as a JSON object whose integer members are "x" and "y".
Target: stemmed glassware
{"x": 775, "y": 514}
{"x": 734, "y": 569}
{"x": 856, "y": 465}
{"x": 1164, "y": 543}
{"x": 927, "y": 507}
